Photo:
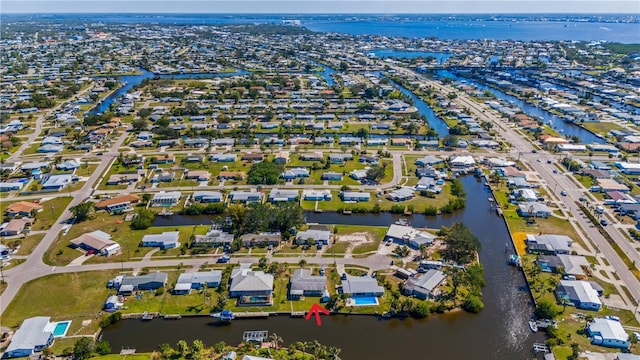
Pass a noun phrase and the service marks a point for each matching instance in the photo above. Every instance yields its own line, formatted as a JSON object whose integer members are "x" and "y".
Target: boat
{"x": 515, "y": 260}
{"x": 165, "y": 213}
{"x": 146, "y": 316}
{"x": 533, "y": 326}
{"x": 224, "y": 315}
{"x": 402, "y": 222}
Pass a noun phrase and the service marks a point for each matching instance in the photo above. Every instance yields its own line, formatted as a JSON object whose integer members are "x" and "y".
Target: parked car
{"x": 563, "y": 193}
{"x": 604, "y": 222}
{"x": 223, "y": 259}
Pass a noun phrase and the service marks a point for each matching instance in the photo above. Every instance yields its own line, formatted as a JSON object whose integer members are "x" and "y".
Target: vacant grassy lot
{"x": 72, "y": 296}
{"x": 27, "y": 244}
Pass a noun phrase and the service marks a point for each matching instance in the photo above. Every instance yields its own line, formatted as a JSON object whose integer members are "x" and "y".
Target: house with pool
{"x": 34, "y": 335}
{"x": 362, "y": 290}
{"x": 250, "y": 287}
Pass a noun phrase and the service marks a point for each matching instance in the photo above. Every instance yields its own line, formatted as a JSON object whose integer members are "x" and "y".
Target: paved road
{"x": 34, "y": 267}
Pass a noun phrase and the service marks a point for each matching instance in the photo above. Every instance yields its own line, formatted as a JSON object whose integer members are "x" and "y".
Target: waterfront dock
{"x": 251, "y": 315}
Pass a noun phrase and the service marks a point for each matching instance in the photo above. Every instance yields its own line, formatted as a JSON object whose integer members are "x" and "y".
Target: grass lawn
{"x": 51, "y": 211}
{"x": 27, "y": 244}
{"x": 61, "y": 254}
{"x": 602, "y": 127}
{"x": 71, "y": 296}
{"x": 87, "y": 170}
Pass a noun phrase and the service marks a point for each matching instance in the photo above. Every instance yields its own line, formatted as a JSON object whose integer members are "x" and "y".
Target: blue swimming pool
{"x": 61, "y": 328}
{"x": 365, "y": 300}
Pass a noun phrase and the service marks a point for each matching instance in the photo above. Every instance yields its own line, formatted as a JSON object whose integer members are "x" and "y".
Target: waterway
{"x": 557, "y": 123}
{"x": 500, "y": 331}
{"x": 435, "y": 122}
{"x": 130, "y": 81}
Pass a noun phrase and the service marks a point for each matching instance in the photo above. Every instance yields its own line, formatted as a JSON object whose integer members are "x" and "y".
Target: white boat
{"x": 533, "y": 326}
{"x": 224, "y": 315}
{"x": 402, "y": 222}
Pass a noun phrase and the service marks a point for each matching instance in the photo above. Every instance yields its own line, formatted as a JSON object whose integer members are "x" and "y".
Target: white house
{"x": 166, "y": 240}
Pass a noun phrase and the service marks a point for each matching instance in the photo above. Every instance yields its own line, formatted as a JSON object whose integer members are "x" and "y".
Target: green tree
{"x": 264, "y": 173}
{"x": 420, "y": 310}
{"x": 376, "y": 172}
{"x": 546, "y": 309}
{"x": 472, "y": 304}
{"x": 182, "y": 347}
{"x": 83, "y": 348}
{"x": 103, "y": 347}
{"x": 82, "y": 211}
{"x": 461, "y": 246}
{"x": 139, "y": 125}
{"x": 143, "y": 219}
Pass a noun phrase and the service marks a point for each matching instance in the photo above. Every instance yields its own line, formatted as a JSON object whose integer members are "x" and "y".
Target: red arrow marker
{"x": 316, "y": 310}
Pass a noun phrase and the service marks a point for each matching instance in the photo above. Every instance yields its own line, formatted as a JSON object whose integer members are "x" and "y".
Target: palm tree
{"x": 275, "y": 340}
{"x": 334, "y": 352}
{"x": 302, "y": 263}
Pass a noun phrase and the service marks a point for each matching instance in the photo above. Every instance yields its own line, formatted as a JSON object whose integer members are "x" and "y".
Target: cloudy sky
{"x": 321, "y": 6}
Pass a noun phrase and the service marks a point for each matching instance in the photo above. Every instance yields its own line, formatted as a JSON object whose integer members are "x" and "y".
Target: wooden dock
{"x": 297, "y": 314}
{"x": 255, "y": 335}
{"x": 537, "y": 347}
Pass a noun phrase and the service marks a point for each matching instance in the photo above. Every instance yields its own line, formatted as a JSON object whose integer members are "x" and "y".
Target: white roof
{"x": 608, "y": 329}
{"x": 583, "y": 289}
{"x": 463, "y": 160}
{"x": 30, "y": 334}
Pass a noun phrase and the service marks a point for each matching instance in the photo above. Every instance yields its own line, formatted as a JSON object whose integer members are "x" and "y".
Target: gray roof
{"x": 282, "y": 194}
{"x": 167, "y": 237}
{"x": 143, "y": 279}
{"x": 427, "y": 282}
{"x": 30, "y": 334}
{"x": 249, "y": 280}
{"x": 204, "y": 277}
{"x": 244, "y": 195}
{"x": 323, "y": 235}
{"x": 550, "y": 242}
{"x": 303, "y": 280}
{"x": 361, "y": 284}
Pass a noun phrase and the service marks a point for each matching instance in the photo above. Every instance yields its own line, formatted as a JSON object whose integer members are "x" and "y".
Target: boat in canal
{"x": 533, "y": 325}
{"x": 224, "y": 315}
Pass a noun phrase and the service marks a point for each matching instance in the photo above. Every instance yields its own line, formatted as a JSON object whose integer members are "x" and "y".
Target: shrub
{"x": 472, "y": 304}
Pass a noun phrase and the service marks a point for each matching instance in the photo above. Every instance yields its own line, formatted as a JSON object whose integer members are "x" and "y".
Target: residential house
{"x": 320, "y": 236}
{"x": 401, "y": 194}
{"x": 572, "y": 265}
{"x": 15, "y": 226}
{"x": 424, "y": 286}
{"x": 11, "y": 186}
{"x": 578, "y": 293}
{"x": 165, "y": 199}
{"x": 331, "y": 176}
{"x": 312, "y": 157}
{"x": 340, "y": 158}
{"x": 125, "y": 178}
{"x": 462, "y": 161}
{"x": 207, "y": 196}
{"x": 98, "y": 242}
{"x": 282, "y": 195}
{"x": 222, "y": 157}
{"x": 166, "y": 240}
{"x": 533, "y": 209}
{"x": 295, "y": 173}
{"x": 56, "y": 182}
{"x": 68, "y": 165}
{"x": 608, "y": 333}
{"x": 316, "y": 195}
{"x": 428, "y": 184}
{"x": 409, "y": 236}
{"x": 354, "y": 196}
{"x": 245, "y": 197}
{"x": 213, "y": 237}
{"x": 163, "y": 159}
{"x": 428, "y": 160}
{"x": 355, "y": 286}
{"x": 198, "y": 175}
{"x": 151, "y": 281}
{"x": 197, "y": 280}
{"x": 252, "y": 288}
{"x": 22, "y": 208}
{"x": 34, "y": 335}
{"x": 252, "y": 157}
{"x": 261, "y": 239}
{"x": 282, "y": 157}
{"x": 231, "y": 175}
{"x": 118, "y": 204}
{"x": 548, "y": 244}
{"x": 358, "y": 174}
{"x": 302, "y": 283}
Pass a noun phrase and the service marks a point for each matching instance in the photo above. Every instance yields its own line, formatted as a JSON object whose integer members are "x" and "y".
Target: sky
{"x": 321, "y": 6}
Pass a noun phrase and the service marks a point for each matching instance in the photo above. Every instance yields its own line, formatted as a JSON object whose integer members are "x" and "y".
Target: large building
{"x": 609, "y": 333}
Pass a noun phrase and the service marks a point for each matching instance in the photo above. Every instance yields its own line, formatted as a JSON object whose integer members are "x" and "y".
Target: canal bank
{"x": 500, "y": 331}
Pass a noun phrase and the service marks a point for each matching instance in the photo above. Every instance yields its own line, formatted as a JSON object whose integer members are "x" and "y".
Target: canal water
{"x": 556, "y": 122}
{"x": 132, "y": 80}
{"x": 500, "y": 331}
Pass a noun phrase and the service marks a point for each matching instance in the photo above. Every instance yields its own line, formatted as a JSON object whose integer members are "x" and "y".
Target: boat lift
{"x": 540, "y": 348}
{"x": 255, "y": 335}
